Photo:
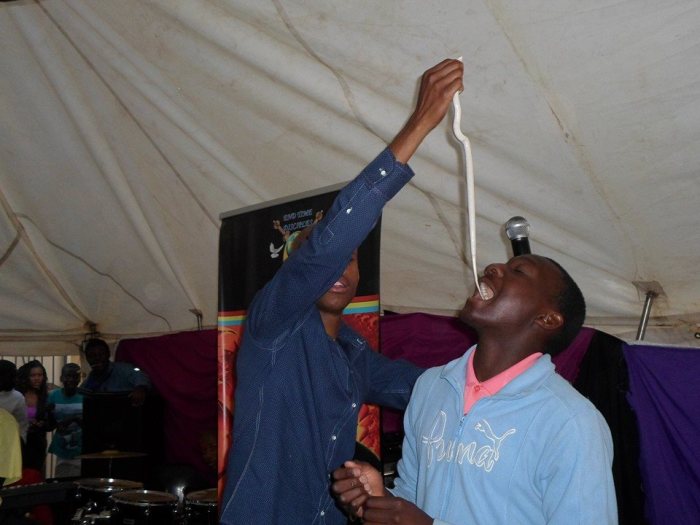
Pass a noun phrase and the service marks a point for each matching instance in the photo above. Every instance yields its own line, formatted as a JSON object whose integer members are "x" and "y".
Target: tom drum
{"x": 144, "y": 507}
{"x": 93, "y": 493}
{"x": 201, "y": 508}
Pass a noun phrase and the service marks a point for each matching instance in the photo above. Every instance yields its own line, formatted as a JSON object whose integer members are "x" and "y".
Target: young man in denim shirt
{"x": 302, "y": 374}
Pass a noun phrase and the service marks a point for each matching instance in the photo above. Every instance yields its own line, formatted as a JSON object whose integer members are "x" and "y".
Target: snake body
{"x": 469, "y": 174}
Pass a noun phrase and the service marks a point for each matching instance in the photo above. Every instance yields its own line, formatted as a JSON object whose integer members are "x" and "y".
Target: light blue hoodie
{"x": 536, "y": 452}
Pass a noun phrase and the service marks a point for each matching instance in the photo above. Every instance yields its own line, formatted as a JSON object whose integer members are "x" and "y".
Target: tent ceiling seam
{"x": 98, "y": 272}
{"x": 108, "y": 336}
{"x": 126, "y": 109}
{"x": 10, "y": 249}
{"x": 69, "y": 331}
{"x": 203, "y": 139}
{"x": 344, "y": 86}
{"x": 22, "y": 234}
{"x": 569, "y": 137}
{"x": 460, "y": 248}
{"x": 121, "y": 103}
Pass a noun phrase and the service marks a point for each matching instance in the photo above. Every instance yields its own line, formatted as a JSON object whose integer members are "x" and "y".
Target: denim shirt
{"x": 298, "y": 391}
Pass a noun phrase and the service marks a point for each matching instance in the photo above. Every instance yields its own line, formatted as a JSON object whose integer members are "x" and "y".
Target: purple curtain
{"x": 425, "y": 340}
{"x": 182, "y": 368}
{"x": 665, "y": 394}
{"x": 568, "y": 362}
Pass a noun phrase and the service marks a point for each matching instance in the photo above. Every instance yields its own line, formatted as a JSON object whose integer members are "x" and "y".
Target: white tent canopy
{"x": 129, "y": 126}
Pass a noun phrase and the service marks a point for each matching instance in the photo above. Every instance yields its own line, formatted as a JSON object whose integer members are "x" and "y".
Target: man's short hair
{"x": 7, "y": 366}
{"x": 8, "y": 375}
{"x": 96, "y": 343}
{"x": 572, "y": 307}
{"x": 70, "y": 368}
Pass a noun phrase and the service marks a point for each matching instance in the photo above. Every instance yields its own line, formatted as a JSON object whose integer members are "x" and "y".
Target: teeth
{"x": 486, "y": 292}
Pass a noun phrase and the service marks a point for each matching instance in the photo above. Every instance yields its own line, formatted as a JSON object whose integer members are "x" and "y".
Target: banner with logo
{"x": 252, "y": 246}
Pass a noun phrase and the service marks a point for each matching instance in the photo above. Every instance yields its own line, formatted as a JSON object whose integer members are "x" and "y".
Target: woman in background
{"x": 32, "y": 382}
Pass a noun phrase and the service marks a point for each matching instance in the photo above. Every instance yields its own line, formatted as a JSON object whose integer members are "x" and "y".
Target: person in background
{"x": 209, "y": 448}
{"x": 11, "y": 447}
{"x": 302, "y": 373}
{"x": 108, "y": 376}
{"x": 12, "y": 400}
{"x": 66, "y": 416}
{"x": 497, "y": 436}
{"x": 10, "y": 462}
{"x": 32, "y": 382}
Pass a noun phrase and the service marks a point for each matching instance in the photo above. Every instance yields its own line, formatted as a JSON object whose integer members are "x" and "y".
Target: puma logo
{"x": 484, "y": 456}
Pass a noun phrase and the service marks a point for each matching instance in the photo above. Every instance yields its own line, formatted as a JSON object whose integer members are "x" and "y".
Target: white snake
{"x": 470, "y": 183}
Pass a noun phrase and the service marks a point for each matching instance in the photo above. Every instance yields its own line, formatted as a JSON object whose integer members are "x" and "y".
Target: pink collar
{"x": 475, "y": 390}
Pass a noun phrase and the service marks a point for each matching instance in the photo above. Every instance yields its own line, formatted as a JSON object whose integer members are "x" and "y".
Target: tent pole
{"x": 198, "y": 314}
{"x": 645, "y": 315}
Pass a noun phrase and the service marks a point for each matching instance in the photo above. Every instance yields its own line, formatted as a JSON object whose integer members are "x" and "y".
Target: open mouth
{"x": 486, "y": 291}
{"x": 339, "y": 286}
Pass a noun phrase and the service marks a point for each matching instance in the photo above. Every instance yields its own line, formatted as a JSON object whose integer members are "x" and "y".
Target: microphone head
{"x": 517, "y": 228}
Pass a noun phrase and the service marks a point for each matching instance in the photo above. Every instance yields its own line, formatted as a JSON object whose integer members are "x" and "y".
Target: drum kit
{"x": 109, "y": 501}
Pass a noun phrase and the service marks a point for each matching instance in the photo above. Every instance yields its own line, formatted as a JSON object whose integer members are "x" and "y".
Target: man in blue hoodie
{"x": 497, "y": 436}
{"x": 303, "y": 374}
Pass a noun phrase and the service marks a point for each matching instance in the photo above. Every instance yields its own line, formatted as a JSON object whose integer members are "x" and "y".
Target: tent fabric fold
{"x": 127, "y": 128}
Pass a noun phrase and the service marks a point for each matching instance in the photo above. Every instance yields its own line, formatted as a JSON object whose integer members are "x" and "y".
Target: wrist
{"x": 408, "y": 140}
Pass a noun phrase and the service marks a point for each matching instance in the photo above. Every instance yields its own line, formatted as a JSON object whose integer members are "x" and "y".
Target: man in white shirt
{"x": 10, "y": 399}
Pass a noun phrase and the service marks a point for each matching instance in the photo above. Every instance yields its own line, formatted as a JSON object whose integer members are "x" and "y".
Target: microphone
{"x": 517, "y": 230}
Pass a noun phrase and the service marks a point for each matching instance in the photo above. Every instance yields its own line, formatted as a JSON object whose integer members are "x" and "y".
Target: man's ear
{"x": 550, "y": 320}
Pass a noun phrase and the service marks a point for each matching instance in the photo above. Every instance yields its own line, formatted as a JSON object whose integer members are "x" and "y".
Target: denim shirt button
{"x": 354, "y": 405}
{"x": 333, "y": 437}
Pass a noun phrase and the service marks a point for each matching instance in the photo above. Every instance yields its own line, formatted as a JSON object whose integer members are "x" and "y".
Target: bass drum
{"x": 144, "y": 507}
{"x": 201, "y": 508}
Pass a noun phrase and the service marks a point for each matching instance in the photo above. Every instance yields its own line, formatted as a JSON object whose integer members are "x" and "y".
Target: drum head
{"x": 145, "y": 498}
{"x": 107, "y": 485}
{"x": 202, "y": 497}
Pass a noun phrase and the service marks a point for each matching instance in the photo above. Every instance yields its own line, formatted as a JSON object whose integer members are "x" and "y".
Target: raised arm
{"x": 313, "y": 268}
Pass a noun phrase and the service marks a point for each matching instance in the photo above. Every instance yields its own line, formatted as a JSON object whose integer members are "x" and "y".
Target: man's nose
{"x": 494, "y": 269}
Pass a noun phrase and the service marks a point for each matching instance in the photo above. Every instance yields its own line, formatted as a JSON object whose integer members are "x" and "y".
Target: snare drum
{"x": 201, "y": 508}
{"x": 93, "y": 493}
{"x": 144, "y": 507}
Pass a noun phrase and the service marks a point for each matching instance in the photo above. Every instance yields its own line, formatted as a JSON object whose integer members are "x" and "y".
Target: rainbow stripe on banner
{"x": 359, "y": 305}
{"x": 235, "y": 318}
{"x": 363, "y": 305}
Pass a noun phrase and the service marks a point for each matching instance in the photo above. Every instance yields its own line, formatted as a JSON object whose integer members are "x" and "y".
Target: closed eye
{"x": 523, "y": 269}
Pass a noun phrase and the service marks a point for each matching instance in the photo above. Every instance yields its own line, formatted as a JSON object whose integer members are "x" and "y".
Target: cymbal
{"x": 112, "y": 454}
